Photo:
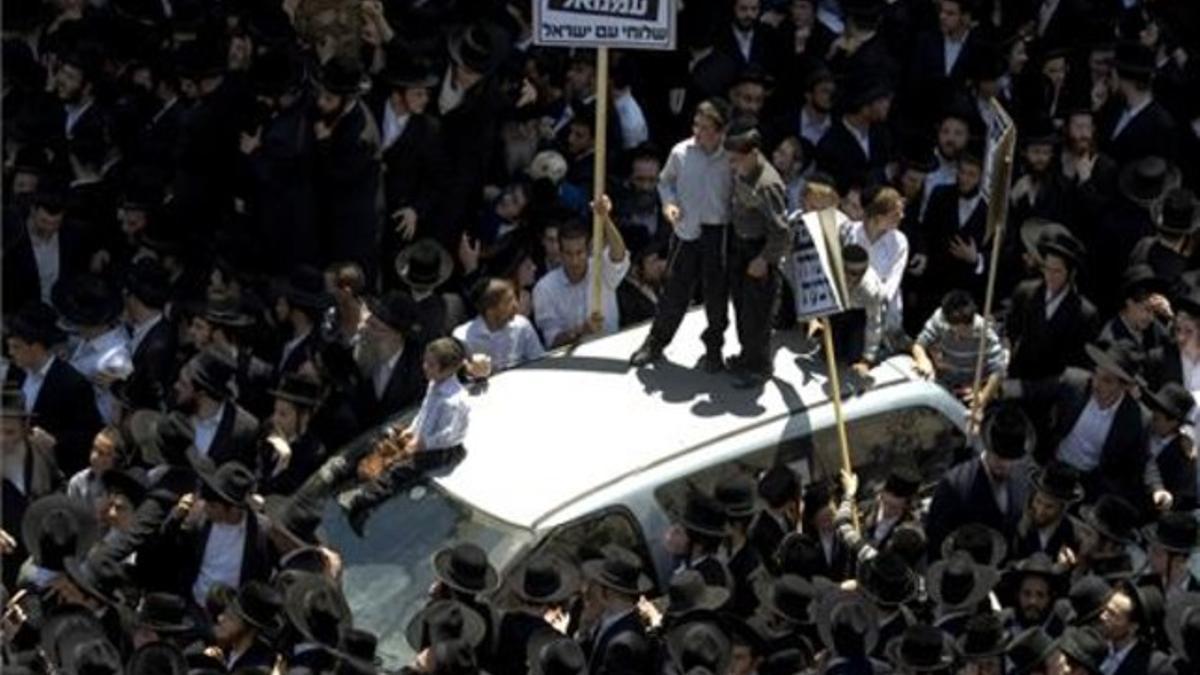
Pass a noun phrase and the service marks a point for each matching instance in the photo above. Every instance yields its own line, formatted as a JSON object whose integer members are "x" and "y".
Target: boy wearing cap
{"x": 1170, "y": 475}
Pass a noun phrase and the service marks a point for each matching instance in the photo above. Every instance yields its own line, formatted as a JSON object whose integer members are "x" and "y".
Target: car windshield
{"x": 388, "y": 571}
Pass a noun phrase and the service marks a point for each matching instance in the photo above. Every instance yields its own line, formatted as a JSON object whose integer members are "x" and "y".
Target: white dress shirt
{"x": 510, "y": 345}
{"x": 48, "y": 258}
{"x": 290, "y": 346}
{"x": 812, "y": 128}
{"x": 951, "y": 50}
{"x": 13, "y": 466}
{"x": 863, "y": 138}
{"x": 393, "y": 125}
{"x": 205, "y": 430}
{"x": 32, "y": 386}
{"x": 442, "y": 420}
{"x": 745, "y": 41}
{"x": 1084, "y": 444}
{"x": 1115, "y": 658}
{"x": 560, "y": 305}
{"x": 74, "y": 112}
{"x": 700, "y": 184}
{"x": 889, "y": 257}
{"x": 1053, "y": 302}
{"x": 222, "y": 561}
{"x": 1190, "y": 369}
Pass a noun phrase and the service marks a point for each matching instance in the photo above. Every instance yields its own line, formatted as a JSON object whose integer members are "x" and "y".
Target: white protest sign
{"x": 625, "y": 24}
{"x": 815, "y": 264}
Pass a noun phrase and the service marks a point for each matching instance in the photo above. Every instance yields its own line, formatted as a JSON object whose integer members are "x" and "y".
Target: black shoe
{"x": 711, "y": 363}
{"x": 734, "y": 362}
{"x": 645, "y": 354}
{"x": 750, "y": 379}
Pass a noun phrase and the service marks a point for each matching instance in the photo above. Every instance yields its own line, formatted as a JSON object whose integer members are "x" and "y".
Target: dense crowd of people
{"x": 237, "y": 235}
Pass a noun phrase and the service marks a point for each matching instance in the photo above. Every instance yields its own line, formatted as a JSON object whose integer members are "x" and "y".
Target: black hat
{"x": 36, "y": 322}
{"x": 743, "y": 633}
{"x": 1061, "y": 244}
{"x": 302, "y": 390}
{"x": 1140, "y": 280}
{"x": 212, "y": 372}
{"x": 1175, "y": 531}
{"x": 1119, "y": 358}
{"x": 299, "y": 515}
{"x": 778, "y": 485}
{"x": 258, "y": 604}
{"x": 1115, "y": 567}
{"x": 1179, "y": 212}
{"x": 1112, "y": 517}
{"x": 902, "y": 481}
{"x": 1060, "y": 481}
{"x": 396, "y": 310}
{"x": 342, "y": 75}
{"x": 791, "y": 597}
{"x": 916, "y": 153}
{"x": 148, "y": 281}
{"x": 546, "y": 580}
{"x": 1085, "y": 646}
{"x": 620, "y": 570}
{"x": 1036, "y": 565}
{"x": 983, "y": 636}
{"x": 362, "y": 647}
{"x": 76, "y": 643}
{"x": 199, "y": 59}
{"x": 231, "y": 483}
{"x": 306, "y": 289}
{"x": 958, "y": 582}
{"x": 464, "y": 567}
{"x": 223, "y": 309}
{"x": 1087, "y": 598}
{"x": 841, "y": 614}
{"x": 317, "y": 610}
{"x": 551, "y": 653}
{"x": 985, "y": 544}
{"x": 865, "y": 91}
{"x": 480, "y": 47}
{"x": 1172, "y": 400}
{"x": 1029, "y": 650}
{"x": 276, "y": 72}
{"x": 1182, "y": 624}
{"x": 887, "y": 580}
{"x": 143, "y": 191}
{"x": 788, "y": 660}
{"x": 163, "y": 613}
{"x": 424, "y": 265}
{"x": 157, "y": 658}
{"x": 162, "y": 438}
{"x": 704, "y": 515}
{"x": 1007, "y": 432}
{"x": 1134, "y": 61}
{"x": 689, "y": 592}
{"x": 98, "y": 574}
{"x": 921, "y": 648}
{"x": 1148, "y": 602}
{"x": 86, "y": 300}
{"x": 130, "y": 483}
{"x": 404, "y": 72}
{"x": 699, "y": 644}
{"x": 800, "y": 553}
{"x": 443, "y": 620}
{"x": 855, "y": 259}
{"x": 736, "y": 493}
{"x": 12, "y": 404}
{"x": 57, "y": 527}
{"x": 1148, "y": 180}
{"x": 1033, "y": 229}
{"x": 817, "y": 496}
{"x": 1040, "y": 131}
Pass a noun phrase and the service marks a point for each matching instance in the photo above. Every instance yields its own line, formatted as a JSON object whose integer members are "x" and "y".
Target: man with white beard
{"x": 388, "y": 359}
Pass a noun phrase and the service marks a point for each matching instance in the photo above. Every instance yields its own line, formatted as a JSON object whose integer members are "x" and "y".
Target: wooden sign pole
{"x": 836, "y": 396}
{"x": 598, "y": 169}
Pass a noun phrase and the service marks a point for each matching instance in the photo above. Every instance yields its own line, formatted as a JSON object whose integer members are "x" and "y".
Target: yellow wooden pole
{"x": 836, "y": 396}
{"x": 598, "y": 168}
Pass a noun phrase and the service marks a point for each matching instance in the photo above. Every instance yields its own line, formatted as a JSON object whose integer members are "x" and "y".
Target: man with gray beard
{"x": 390, "y": 365}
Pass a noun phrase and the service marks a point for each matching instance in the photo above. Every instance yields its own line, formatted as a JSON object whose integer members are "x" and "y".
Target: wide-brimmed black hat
{"x": 396, "y": 310}
{"x": 1134, "y": 61}
{"x": 1036, "y": 565}
{"x": 704, "y": 515}
{"x": 342, "y": 75}
{"x": 546, "y": 580}
{"x": 424, "y": 265}
{"x": 305, "y": 288}
{"x": 1175, "y": 531}
{"x": 57, "y": 527}
{"x": 958, "y": 582}
{"x": 1033, "y": 229}
{"x": 842, "y": 613}
{"x": 162, "y": 438}
{"x": 480, "y": 47}
{"x": 149, "y": 282}
{"x": 790, "y": 597}
{"x": 276, "y": 72}
{"x": 1063, "y": 245}
{"x": 1029, "y": 650}
{"x": 1085, "y": 646}
{"x": 1147, "y": 180}
{"x": 985, "y": 544}
{"x": 1112, "y": 517}
{"x": 231, "y": 483}
{"x": 1140, "y": 280}
{"x": 258, "y": 604}
{"x": 1179, "y": 213}
{"x": 688, "y": 592}
{"x": 1148, "y": 601}
{"x": 1172, "y": 400}
{"x": 1040, "y": 131}
{"x": 360, "y": 652}
{"x": 316, "y": 608}
{"x": 223, "y": 309}
{"x": 298, "y": 514}
{"x": 199, "y": 59}
{"x": 551, "y": 653}
{"x": 1182, "y": 624}
{"x": 1188, "y": 300}
{"x": 800, "y": 553}
{"x": 212, "y": 372}
{"x": 699, "y": 644}
{"x": 157, "y": 658}
{"x": 618, "y": 569}
{"x": 1114, "y": 567}
{"x": 443, "y": 620}
{"x": 12, "y": 404}
{"x": 302, "y": 390}
{"x": 164, "y": 613}
{"x": 1086, "y": 599}
{"x": 1118, "y": 358}
{"x": 1007, "y": 432}
{"x": 97, "y": 574}
{"x": 865, "y": 90}
{"x": 921, "y": 648}
{"x": 779, "y": 485}
{"x": 464, "y": 567}
{"x": 76, "y": 642}
{"x": 405, "y": 72}
{"x": 86, "y": 300}
{"x": 736, "y": 493}
{"x": 902, "y": 481}
{"x": 1060, "y": 481}
{"x": 129, "y": 483}
{"x": 36, "y": 322}
{"x": 983, "y": 637}
{"x": 887, "y": 580}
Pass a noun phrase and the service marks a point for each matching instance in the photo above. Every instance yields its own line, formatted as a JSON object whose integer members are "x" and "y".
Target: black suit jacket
{"x": 1027, "y": 543}
{"x": 415, "y": 172}
{"x": 347, "y": 190}
{"x": 941, "y": 225}
{"x": 515, "y": 631}
{"x": 596, "y": 648}
{"x": 405, "y": 387}
{"x": 842, "y": 157}
{"x": 1164, "y": 365}
{"x": 1151, "y": 132}
{"x": 258, "y": 558}
{"x": 765, "y": 534}
{"x": 1178, "y": 470}
{"x": 258, "y": 656}
{"x": 66, "y": 409}
{"x": 281, "y": 190}
{"x": 965, "y": 495}
{"x": 764, "y": 46}
{"x": 41, "y": 478}
{"x": 236, "y": 437}
{"x": 298, "y": 355}
{"x": 153, "y": 367}
{"x": 22, "y": 284}
{"x": 1041, "y": 347}
{"x": 1144, "y": 659}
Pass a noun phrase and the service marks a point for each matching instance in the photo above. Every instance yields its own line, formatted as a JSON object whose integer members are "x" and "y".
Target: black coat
{"x": 1151, "y": 132}
{"x": 1164, "y": 365}
{"x": 66, "y": 409}
{"x": 153, "y": 367}
{"x": 258, "y": 557}
{"x": 944, "y": 271}
{"x": 307, "y": 456}
{"x": 765, "y": 534}
{"x": 764, "y": 46}
{"x": 41, "y": 478}
{"x": 281, "y": 191}
{"x": 236, "y": 437}
{"x": 516, "y": 630}
{"x": 1029, "y": 542}
{"x": 348, "y": 192}
{"x": 1144, "y": 659}
{"x": 1041, "y": 347}
{"x": 302, "y": 352}
{"x": 840, "y": 155}
{"x": 20, "y": 274}
{"x": 964, "y": 495}
{"x": 595, "y": 647}
{"x": 415, "y": 175}
{"x": 405, "y": 387}
{"x": 1177, "y": 466}
{"x": 471, "y": 135}
{"x": 633, "y": 305}
{"x": 258, "y": 656}
{"x": 1168, "y": 264}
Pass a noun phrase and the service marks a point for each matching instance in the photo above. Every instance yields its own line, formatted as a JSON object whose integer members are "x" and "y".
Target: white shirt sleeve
{"x": 531, "y": 345}
{"x": 549, "y": 320}
{"x": 614, "y": 272}
{"x": 895, "y": 272}
{"x": 668, "y": 176}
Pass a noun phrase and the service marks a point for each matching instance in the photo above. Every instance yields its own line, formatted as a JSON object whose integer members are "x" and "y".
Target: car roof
{"x": 552, "y": 431}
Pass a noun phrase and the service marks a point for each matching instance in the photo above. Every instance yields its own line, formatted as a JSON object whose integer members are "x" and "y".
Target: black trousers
{"x": 701, "y": 260}
{"x": 754, "y": 304}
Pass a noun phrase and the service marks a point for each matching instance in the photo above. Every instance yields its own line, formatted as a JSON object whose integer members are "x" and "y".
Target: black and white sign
{"x": 626, "y": 24}
{"x": 815, "y": 264}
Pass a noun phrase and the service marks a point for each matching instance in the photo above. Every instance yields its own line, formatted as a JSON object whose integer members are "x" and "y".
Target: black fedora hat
{"x": 199, "y": 59}
{"x": 298, "y": 514}
{"x": 1114, "y": 568}
{"x": 342, "y": 75}
{"x": 1134, "y": 61}
{"x": 424, "y": 265}
{"x": 1060, "y": 481}
{"x": 1148, "y": 602}
{"x": 958, "y": 582}
{"x": 550, "y": 653}
{"x": 1033, "y": 229}
{"x": 36, "y": 322}
{"x": 86, "y": 300}
{"x": 1112, "y": 517}
{"x": 302, "y": 390}
{"x": 56, "y": 527}
{"x": 1147, "y": 180}
{"x": 276, "y": 72}
{"x": 704, "y": 515}
{"x": 443, "y": 620}
{"x": 362, "y": 646}
{"x": 1036, "y": 565}
{"x": 129, "y": 483}
{"x": 736, "y": 493}
{"x": 1140, "y": 280}
{"x": 316, "y": 608}
{"x": 162, "y": 438}
{"x": 1172, "y": 400}
{"x": 1086, "y": 599}
{"x": 1040, "y": 131}
{"x": 1182, "y": 624}
{"x": 841, "y": 614}
{"x": 1007, "y": 432}
{"x": 985, "y": 544}
{"x": 405, "y": 72}
{"x": 1085, "y": 646}
{"x": 157, "y": 658}
{"x": 305, "y": 288}
{"x": 223, "y": 309}
{"x": 983, "y": 637}
{"x": 231, "y": 483}
{"x": 480, "y": 47}
{"x": 618, "y": 569}
{"x": 212, "y": 372}
{"x": 1187, "y": 300}
{"x": 149, "y": 282}
{"x": 1179, "y": 213}
{"x": 1119, "y": 358}
{"x": 163, "y": 613}
{"x": 97, "y": 574}
{"x": 688, "y": 592}
{"x": 1063, "y": 245}
{"x": 779, "y": 485}
{"x": 1175, "y": 531}
{"x": 1029, "y": 650}
{"x": 902, "y": 481}
{"x": 921, "y": 648}
{"x": 800, "y": 553}
{"x": 699, "y": 644}
{"x": 887, "y": 580}
{"x": 863, "y": 91}
{"x": 464, "y": 567}
{"x": 791, "y": 597}
{"x": 546, "y": 580}
{"x": 396, "y": 310}
{"x": 258, "y": 604}
{"x": 12, "y": 404}
{"x": 75, "y": 644}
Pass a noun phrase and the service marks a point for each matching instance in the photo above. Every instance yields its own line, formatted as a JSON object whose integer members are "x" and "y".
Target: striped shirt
{"x": 954, "y": 356}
